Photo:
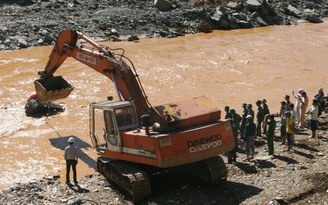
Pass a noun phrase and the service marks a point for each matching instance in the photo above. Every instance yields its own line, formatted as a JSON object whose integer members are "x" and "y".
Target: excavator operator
{"x": 168, "y": 117}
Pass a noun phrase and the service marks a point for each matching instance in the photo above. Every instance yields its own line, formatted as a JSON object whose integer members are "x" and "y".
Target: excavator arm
{"x": 184, "y": 114}
{"x": 99, "y": 58}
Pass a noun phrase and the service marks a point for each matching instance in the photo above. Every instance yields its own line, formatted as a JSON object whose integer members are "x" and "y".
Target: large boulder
{"x": 253, "y": 4}
{"x": 294, "y": 11}
{"x": 163, "y": 5}
{"x": 234, "y": 5}
{"x": 312, "y": 16}
{"x": 216, "y": 15}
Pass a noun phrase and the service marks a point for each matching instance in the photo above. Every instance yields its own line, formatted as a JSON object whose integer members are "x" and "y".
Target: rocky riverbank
{"x": 299, "y": 177}
{"x": 26, "y": 23}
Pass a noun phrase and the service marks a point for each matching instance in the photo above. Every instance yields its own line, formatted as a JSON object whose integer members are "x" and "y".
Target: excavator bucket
{"x": 51, "y": 89}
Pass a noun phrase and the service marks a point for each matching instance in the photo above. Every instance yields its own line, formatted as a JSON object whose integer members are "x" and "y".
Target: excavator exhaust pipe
{"x": 52, "y": 88}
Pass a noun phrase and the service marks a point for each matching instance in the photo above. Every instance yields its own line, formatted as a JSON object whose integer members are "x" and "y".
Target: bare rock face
{"x": 26, "y": 23}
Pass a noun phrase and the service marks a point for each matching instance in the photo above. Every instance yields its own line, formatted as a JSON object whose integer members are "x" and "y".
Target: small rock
{"x": 22, "y": 43}
{"x": 133, "y": 38}
{"x": 320, "y": 154}
{"x": 279, "y": 199}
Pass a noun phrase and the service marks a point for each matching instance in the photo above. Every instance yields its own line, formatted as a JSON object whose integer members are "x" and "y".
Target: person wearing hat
{"x": 313, "y": 113}
{"x": 259, "y": 118}
{"x": 71, "y": 157}
{"x": 250, "y": 131}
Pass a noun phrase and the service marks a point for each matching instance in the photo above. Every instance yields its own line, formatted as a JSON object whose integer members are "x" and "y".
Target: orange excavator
{"x": 134, "y": 139}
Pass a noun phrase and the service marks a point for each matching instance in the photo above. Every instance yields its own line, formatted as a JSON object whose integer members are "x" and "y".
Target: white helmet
{"x": 71, "y": 140}
{"x": 249, "y": 117}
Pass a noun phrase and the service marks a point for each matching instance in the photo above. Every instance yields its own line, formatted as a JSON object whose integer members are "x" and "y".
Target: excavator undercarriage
{"x": 133, "y": 180}
{"x": 136, "y": 179}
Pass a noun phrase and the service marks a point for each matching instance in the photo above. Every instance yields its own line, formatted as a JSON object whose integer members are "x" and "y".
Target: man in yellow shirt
{"x": 289, "y": 129}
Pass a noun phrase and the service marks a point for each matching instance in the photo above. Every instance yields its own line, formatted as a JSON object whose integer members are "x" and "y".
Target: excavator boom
{"x": 126, "y": 82}
{"x": 100, "y": 58}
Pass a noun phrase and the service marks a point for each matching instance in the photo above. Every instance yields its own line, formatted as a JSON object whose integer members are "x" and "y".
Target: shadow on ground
{"x": 61, "y": 143}
{"x": 288, "y": 160}
{"x": 180, "y": 188}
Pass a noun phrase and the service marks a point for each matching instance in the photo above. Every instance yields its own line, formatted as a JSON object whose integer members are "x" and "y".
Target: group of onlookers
{"x": 292, "y": 118}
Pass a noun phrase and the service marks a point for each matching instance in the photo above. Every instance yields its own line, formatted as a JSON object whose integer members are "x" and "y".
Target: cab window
{"x": 109, "y": 123}
{"x": 125, "y": 116}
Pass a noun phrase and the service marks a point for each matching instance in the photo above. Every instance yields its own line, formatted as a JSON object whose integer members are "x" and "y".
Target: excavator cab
{"x": 107, "y": 120}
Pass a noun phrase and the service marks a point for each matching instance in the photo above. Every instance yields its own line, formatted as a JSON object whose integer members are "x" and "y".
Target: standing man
{"x": 293, "y": 114}
{"x": 313, "y": 117}
{"x": 235, "y": 120}
{"x": 283, "y": 121}
{"x": 243, "y": 120}
{"x": 289, "y": 130}
{"x": 259, "y": 118}
{"x": 304, "y": 105}
{"x": 266, "y": 111}
{"x": 298, "y": 105}
{"x": 271, "y": 130}
{"x": 319, "y": 97}
{"x": 71, "y": 157}
{"x": 250, "y": 131}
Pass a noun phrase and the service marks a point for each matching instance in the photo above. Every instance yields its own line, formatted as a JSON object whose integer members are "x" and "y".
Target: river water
{"x": 230, "y": 67}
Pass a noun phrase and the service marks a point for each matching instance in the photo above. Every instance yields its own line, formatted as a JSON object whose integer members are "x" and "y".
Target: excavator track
{"x": 212, "y": 171}
{"x": 128, "y": 177}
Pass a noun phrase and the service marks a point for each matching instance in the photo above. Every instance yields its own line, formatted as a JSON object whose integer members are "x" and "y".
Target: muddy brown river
{"x": 230, "y": 67}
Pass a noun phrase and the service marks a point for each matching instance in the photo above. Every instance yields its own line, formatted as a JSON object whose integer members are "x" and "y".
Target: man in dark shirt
{"x": 243, "y": 120}
{"x": 227, "y": 110}
{"x": 235, "y": 120}
{"x": 259, "y": 118}
{"x": 250, "y": 131}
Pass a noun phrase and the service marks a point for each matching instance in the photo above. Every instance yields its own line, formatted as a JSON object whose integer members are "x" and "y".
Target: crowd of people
{"x": 260, "y": 123}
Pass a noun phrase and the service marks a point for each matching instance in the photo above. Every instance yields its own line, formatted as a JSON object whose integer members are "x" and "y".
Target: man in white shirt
{"x": 298, "y": 103}
{"x": 313, "y": 117}
{"x": 71, "y": 157}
